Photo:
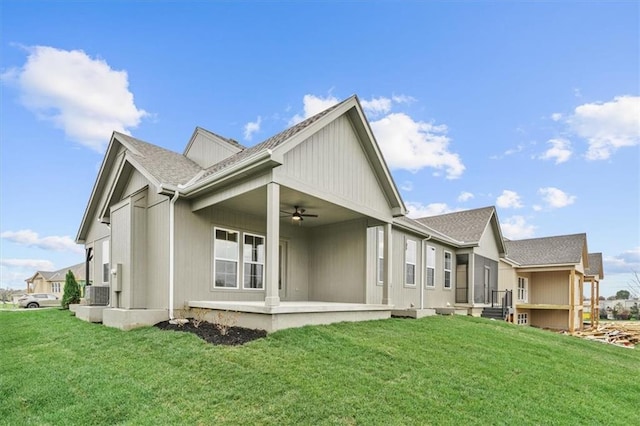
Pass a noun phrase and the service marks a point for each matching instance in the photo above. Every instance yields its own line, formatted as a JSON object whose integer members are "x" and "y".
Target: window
{"x": 55, "y": 287}
{"x": 447, "y": 269}
{"x": 522, "y": 289}
{"x": 253, "y": 255}
{"x": 105, "y": 262}
{"x": 380, "y": 262}
{"x": 225, "y": 249}
{"x": 410, "y": 262}
{"x": 523, "y": 319}
{"x": 431, "y": 266}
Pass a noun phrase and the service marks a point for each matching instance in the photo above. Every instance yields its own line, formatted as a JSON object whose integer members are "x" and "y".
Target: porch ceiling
{"x": 254, "y": 202}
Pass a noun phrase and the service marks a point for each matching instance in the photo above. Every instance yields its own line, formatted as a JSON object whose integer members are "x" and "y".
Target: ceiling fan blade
{"x": 309, "y": 215}
{"x": 300, "y": 210}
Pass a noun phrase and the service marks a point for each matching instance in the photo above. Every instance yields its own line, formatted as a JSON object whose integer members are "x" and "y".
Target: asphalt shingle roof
{"x": 558, "y": 250}
{"x": 465, "y": 226}
{"x": 166, "y": 166}
{"x": 595, "y": 265}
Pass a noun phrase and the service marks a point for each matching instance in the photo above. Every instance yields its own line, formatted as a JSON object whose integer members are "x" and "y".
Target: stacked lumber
{"x": 620, "y": 334}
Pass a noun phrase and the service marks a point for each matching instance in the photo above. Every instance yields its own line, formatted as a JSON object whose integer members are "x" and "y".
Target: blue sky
{"x": 531, "y": 107}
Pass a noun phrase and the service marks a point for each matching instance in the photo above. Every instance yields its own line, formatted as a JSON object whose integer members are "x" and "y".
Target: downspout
{"x": 424, "y": 268}
{"x": 172, "y": 215}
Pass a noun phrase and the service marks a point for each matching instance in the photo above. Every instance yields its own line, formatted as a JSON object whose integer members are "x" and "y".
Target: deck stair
{"x": 493, "y": 313}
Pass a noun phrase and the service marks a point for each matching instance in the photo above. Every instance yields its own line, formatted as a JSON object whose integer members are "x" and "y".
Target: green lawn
{"x": 56, "y": 369}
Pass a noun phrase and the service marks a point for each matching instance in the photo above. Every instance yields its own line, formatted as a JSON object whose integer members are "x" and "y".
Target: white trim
{"x": 407, "y": 243}
{"x": 237, "y": 259}
{"x": 522, "y": 292}
{"x": 450, "y": 271}
{"x": 251, "y": 262}
{"x": 379, "y": 255}
{"x": 430, "y": 264}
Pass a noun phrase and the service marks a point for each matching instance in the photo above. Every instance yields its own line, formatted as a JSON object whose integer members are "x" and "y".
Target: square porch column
{"x": 388, "y": 262}
{"x": 272, "y": 297}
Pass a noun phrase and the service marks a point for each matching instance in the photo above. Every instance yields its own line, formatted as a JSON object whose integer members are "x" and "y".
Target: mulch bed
{"x": 211, "y": 333}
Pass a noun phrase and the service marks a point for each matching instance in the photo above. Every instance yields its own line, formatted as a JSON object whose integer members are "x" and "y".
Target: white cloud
{"x": 252, "y": 127}
{"x": 14, "y": 272}
{"x": 376, "y": 106}
{"x": 313, "y": 105}
{"x": 556, "y": 116}
{"x": 509, "y": 200}
{"x": 30, "y": 238}
{"x": 560, "y": 150}
{"x": 418, "y": 210}
{"x": 403, "y": 99}
{"x": 508, "y": 152}
{"x": 516, "y": 228}
{"x": 413, "y": 145}
{"x": 35, "y": 264}
{"x": 625, "y": 262}
{"x": 465, "y": 196}
{"x": 556, "y": 198}
{"x": 607, "y": 126}
{"x": 83, "y": 96}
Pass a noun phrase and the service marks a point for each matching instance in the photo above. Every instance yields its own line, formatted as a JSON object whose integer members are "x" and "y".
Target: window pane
{"x": 431, "y": 274}
{"x": 447, "y": 279}
{"x": 253, "y": 275}
{"x": 253, "y": 249}
{"x": 226, "y": 273}
{"x": 410, "y": 273}
{"x": 411, "y": 252}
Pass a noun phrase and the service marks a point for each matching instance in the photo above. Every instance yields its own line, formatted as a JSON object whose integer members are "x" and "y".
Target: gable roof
{"x": 595, "y": 268}
{"x": 467, "y": 226}
{"x": 60, "y": 275}
{"x": 268, "y": 144}
{"x": 170, "y": 171}
{"x": 427, "y": 232}
{"x": 548, "y": 251}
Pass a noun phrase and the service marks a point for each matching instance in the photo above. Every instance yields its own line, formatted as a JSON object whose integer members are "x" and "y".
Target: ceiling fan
{"x": 298, "y": 214}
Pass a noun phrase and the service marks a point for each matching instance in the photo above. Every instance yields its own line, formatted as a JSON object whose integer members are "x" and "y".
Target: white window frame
{"x": 236, "y": 260}
{"x": 380, "y": 255}
{"x": 105, "y": 261}
{"x": 523, "y": 318}
{"x": 430, "y": 264}
{"x": 252, "y": 262}
{"x": 55, "y": 287}
{"x": 523, "y": 290}
{"x": 448, "y": 271}
{"x": 408, "y": 263}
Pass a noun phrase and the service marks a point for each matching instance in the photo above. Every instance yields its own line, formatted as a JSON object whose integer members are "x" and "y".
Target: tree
{"x": 71, "y": 291}
{"x": 622, "y": 294}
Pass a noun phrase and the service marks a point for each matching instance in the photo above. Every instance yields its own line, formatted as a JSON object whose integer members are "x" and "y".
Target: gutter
{"x": 424, "y": 268}
{"x": 172, "y": 216}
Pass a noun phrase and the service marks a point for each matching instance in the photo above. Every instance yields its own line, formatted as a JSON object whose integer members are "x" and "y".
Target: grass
{"x": 57, "y": 369}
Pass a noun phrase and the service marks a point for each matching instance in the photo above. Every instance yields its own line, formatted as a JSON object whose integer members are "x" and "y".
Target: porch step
{"x": 495, "y": 313}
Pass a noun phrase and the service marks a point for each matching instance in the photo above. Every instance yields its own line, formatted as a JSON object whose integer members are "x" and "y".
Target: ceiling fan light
{"x": 296, "y": 216}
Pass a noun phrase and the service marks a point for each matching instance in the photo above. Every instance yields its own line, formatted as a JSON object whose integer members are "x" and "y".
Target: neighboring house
{"x": 547, "y": 277}
{"x": 479, "y": 245}
{"x": 53, "y": 282}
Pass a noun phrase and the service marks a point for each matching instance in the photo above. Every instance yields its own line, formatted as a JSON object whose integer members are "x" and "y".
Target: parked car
{"x": 37, "y": 300}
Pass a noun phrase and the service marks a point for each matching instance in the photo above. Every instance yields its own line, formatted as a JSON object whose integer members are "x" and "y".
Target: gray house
{"x": 279, "y": 232}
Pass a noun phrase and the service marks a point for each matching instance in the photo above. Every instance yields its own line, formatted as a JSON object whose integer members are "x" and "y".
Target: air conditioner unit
{"x": 97, "y": 295}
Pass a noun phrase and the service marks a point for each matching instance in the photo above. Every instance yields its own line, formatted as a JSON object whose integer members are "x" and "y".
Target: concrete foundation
{"x": 89, "y": 313}
{"x": 256, "y": 315}
{"x": 127, "y": 319}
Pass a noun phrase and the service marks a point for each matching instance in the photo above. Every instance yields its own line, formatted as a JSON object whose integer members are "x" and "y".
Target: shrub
{"x": 71, "y": 291}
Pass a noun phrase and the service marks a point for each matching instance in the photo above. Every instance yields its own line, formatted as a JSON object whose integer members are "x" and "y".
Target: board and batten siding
{"x": 439, "y": 296}
{"x": 374, "y": 287}
{"x": 555, "y": 319}
{"x": 206, "y": 151}
{"x": 194, "y": 254}
{"x": 404, "y": 295}
{"x": 337, "y": 262}
{"x": 334, "y": 162}
{"x": 488, "y": 246}
{"x": 549, "y": 288}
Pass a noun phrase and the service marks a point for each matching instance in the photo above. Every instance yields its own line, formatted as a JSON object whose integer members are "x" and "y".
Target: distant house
{"x": 53, "y": 281}
{"x": 547, "y": 278}
{"x": 307, "y": 227}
